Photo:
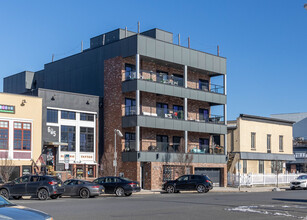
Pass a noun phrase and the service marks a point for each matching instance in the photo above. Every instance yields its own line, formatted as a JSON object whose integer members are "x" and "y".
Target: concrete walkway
{"x": 225, "y": 190}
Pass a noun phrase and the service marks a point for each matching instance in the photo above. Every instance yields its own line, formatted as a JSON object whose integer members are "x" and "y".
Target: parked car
{"x": 82, "y": 188}
{"x": 11, "y": 211}
{"x": 33, "y": 185}
{"x": 299, "y": 183}
{"x": 200, "y": 183}
{"x": 118, "y": 185}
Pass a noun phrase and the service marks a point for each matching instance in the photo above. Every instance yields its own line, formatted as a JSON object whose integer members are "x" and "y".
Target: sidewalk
{"x": 224, "y": 189}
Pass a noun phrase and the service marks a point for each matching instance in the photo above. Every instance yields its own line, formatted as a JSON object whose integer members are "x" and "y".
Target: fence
{"x": 259, "y": 179}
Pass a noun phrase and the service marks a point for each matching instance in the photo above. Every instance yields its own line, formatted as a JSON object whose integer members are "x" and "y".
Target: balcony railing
{"x": 166, "y": 147}
{"x": 174, "y": 81}
{"x": 172, "y": 114}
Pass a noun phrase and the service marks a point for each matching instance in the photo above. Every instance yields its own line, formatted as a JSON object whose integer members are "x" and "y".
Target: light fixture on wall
{"x": 88, "y": 102}
{"x": 53, "y": 98}
{"x": 23, "y": 102}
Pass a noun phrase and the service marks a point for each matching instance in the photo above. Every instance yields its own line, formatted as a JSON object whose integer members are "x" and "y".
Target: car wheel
{"x": 54, "y": 196}
{"x": 201, "y": 188}
{"x": 120, "y": 191}
{"x": 170, "y": 189}
{"x": 4, "y": 193}
{"x": 17, "y": 197}
{"x": 84, "y": 193}
{"x": 128, "y": 194}
{"x": 42, "y": 194}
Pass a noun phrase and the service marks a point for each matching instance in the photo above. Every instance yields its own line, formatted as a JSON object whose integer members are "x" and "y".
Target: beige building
{"x": 258, "y": 145}
{"x": 20, "y": 132}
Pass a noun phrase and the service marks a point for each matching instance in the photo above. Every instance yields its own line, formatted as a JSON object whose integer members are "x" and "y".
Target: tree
{"x": 183, "y": 159}
{"x": 6, "y": 169}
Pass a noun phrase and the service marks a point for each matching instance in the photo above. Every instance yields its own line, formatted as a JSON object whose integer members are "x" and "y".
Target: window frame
{"x": 244, "y": 169}
{"x": 86, "y": 133}
{"x": 22, "y": 129}
{"x": 261, "y": 166}
{"x": 8, "y": 134}
{"x": 281, "y": 143}
{"x": 63, "y": 112}
{"x": 268, "y": 143}
{"x": 68, "y": 138}
{"x": 57, "y": 115}
{"x": 253, "y": 140}
{"x": 87, "y": 116}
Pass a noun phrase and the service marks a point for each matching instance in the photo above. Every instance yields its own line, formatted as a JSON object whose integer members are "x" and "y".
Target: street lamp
{"x": 116, "y": 132}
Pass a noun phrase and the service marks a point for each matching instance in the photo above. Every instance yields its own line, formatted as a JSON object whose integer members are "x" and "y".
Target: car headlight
{"x": 49, "y": 218}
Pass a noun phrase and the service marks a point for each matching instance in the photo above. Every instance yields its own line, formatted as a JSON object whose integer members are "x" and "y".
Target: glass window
{"x": 52, "y": 115}
{"x": 4, "y": 135}
{"x": 22, "y": 136}
{"x": 86, "y": 117}
{"x": 204, "y": 145}
{"x": 178, "y": 112}
{"x": 183, "y": 178}
{"x": 253, "y": 140}
{"x": 269, "y": 143}
{"x": 68, "y": 115}
{"x": 162, "y": 109}
{"x": 178, "y": 79}
{"x": 86, "y": 139}
{"x": 162, "y": 77}
{"x": 281, "y": 143}
{"x": 68, "y": 135}
{"x": 129, "y": 141}
{"x": 204, "y": 114}
{"x": 244, "y": 166}
{"x": 130, "y": 107}
{"x": 130, "y": 72}
{"x": 204, "y": 85}
{"x": 261, "y": 166}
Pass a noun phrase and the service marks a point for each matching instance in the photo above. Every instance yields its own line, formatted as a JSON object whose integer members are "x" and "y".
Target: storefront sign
{"x": 7, "y": 109}
{"x": 51, "y": 134}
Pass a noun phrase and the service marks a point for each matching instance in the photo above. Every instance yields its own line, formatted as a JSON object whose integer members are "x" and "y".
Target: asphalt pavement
{"x": 191, "y": 205}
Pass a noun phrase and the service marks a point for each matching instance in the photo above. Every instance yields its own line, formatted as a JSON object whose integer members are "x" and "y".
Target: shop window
{"x": 86, "y": 117}
{"x": 22, "y": 136}
{"x": 4, "y": 135}
{"x": 90, "y": 171}
{"x": 26, "y": 170}
{"x": 52, "y": 115}
{"x": 86, "y": 139}
{"x": 68, "y": 115}
{"x": 68, "y": 135}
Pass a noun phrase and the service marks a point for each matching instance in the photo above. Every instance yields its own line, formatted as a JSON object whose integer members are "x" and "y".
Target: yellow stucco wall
{"x": 30, "y": 112}
{"x": 262, "y": 129}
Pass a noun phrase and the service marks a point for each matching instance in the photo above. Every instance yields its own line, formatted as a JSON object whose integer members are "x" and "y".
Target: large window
{"x": 253, "y": 141}
{"x": 281, "y": 143}
{"x": 129, "y": 141}
{"x": 4, "y": 135}
{"x": 261, "y": 166}
{"x": 68, "y": 135}
{"x": 204, "y": 114}
{"x": 268, "y": 143}
{"x": 130, "y": 72}
{"x": 178, "y": 112}
{"x": 130, "y": 107}
{"x": 204, "y": 145}
{"x": 52, "y": 115}
{"x": 86, "y": 117}
{"x": 162, "y": 77}
{"x": 22, "y": 136}
{"x": 86, "y": 139}
{"x": 162, "y": 110}
{"x": 178, "y": 79}
{"x": 68, "y": 115}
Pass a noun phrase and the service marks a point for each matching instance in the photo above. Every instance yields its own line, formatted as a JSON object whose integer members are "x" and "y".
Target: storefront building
{"x": 70, "y": 140}
{"x": 20, "y": 132}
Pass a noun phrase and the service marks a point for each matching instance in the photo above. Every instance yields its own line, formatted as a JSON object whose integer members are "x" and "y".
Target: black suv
{"x": 33, "y": 185}
{"x": 200, "y": 183}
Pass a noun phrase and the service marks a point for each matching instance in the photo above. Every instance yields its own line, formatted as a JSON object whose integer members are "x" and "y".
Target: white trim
{"x": 72, "y": 110}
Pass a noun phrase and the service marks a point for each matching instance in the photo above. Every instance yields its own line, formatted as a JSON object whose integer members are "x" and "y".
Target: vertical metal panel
{"x": 169, "y": 52}
{"x": 185, "y": 59}
{"x": 177, "y": 54}
{"x": 193, "y": 58}
{"x": 150, "y": 46}
{"x": 160, "y": 50}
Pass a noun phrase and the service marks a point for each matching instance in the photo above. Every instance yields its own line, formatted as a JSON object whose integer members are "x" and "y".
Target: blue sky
{"x": 265, "y": 42}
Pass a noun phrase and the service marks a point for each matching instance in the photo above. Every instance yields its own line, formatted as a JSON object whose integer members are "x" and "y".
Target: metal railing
{"x": 174, "y": 80}
{"x": 172, "y": 114}
{"x": 153, "y": 146}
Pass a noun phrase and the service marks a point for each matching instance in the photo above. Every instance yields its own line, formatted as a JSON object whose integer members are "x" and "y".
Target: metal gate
{"x": 213, "y": 173}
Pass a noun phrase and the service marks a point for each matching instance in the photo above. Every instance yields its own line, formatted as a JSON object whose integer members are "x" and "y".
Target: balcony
{"x": 166, "y": 147}
{"x": 172, "y": 114}
{"x": 171, "y": 85}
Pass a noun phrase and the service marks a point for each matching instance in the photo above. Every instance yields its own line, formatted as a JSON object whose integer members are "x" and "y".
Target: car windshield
{"x": 5, "y": 202}
{"x": 304, "y": 177}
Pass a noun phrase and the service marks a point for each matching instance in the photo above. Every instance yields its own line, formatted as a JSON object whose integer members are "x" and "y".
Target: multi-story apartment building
{"x": 259, "y": 144}
{"x": 20, "y": 133}
{"x": 160, "y": 95}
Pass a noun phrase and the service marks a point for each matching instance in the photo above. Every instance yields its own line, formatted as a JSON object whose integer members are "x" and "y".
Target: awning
{"x": 56, "y": 144}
